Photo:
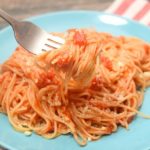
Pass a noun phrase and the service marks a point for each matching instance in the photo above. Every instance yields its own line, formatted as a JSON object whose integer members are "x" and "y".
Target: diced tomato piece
{"x": 51, "y": 74}
{"x": 147, "y": 48}
{"x": 79, "y": 38}
{"x": 63, "y": 63}
{"x": 97, "y": 80}
{"x": 60, "y": 62}
{"x": 47, "y": 78}
{"x": 132, "y": 102}
{"x": 106, "y": 62}
{"x": 1, "y": 79}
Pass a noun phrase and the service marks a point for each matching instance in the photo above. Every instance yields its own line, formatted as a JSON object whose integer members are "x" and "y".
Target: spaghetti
{"x": 91, "y": 85}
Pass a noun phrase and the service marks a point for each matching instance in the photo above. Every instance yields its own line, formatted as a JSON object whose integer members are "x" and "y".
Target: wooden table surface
{"x": 22, "y": 9}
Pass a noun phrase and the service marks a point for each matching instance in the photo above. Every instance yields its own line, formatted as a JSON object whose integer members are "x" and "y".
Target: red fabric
{"x": 142, "y": 13}
{"x": 123, "y": 7}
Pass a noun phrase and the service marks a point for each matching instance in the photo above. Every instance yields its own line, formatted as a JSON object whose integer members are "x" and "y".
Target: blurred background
{"x": 21, "y": 9}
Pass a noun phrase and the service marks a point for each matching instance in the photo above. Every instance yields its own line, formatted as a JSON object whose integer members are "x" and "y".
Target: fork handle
{"x": 7, "y": 17}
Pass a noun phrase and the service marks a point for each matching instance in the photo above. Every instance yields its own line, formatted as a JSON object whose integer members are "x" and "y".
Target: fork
{"x": 31, "y": 37}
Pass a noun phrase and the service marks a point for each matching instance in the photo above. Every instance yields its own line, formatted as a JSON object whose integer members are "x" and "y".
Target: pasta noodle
{"x": 94, "y": 83}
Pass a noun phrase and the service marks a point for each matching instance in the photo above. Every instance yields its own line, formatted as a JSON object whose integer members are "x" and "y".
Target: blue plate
{"x": 138, "y": 135}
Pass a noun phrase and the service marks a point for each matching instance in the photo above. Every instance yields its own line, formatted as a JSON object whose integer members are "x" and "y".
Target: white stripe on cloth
{"x": 114, "y": 6}
{"x": 146, "y": 18}
{"x": 135, "y": 8}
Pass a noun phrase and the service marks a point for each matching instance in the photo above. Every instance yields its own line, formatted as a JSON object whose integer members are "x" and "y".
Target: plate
{"x": 138, "y": 135}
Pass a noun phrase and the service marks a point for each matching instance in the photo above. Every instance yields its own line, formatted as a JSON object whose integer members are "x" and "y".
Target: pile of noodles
{"x": 91, "y": 85}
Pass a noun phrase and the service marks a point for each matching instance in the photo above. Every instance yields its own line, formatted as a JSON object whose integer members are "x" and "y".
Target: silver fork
{"x": 31, "y": 37}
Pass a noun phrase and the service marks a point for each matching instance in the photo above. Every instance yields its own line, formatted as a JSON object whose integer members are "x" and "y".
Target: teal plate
{"x": 138, "y": 135}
